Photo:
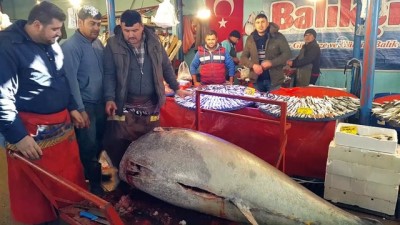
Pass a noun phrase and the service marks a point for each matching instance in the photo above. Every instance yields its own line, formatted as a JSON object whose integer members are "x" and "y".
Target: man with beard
{"x": 265, "y": 53}
{"x": 135, "y": 65}
{"x": 83, "y": 63}
{"x": 34, "y": 102}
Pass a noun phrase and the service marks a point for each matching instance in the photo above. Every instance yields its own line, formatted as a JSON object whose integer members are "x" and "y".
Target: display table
{"x": 307, "y": 145}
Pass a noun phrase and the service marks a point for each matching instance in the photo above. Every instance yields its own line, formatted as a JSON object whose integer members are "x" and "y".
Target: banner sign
{"x": 332, "y": 19}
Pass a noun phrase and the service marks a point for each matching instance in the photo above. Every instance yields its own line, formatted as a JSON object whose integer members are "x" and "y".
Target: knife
{"x": 93, "y": 217}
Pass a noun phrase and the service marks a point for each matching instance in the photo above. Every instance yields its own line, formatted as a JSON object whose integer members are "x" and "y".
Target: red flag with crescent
{"x": 226, "y": 16}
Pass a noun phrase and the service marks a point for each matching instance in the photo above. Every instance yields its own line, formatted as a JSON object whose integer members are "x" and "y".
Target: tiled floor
{"x": 5, "y": 218}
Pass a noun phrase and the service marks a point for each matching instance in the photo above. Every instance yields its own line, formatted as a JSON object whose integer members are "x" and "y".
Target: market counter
{"x": 307, "y": 145}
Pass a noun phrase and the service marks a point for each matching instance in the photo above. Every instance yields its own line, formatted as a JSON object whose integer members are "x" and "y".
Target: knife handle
{"x": 88, "y": 215}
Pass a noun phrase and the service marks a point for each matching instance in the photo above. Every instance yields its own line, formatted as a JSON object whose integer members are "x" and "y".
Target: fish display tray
{"x": 304, "y": 108}
{"x": 215, "y": 102}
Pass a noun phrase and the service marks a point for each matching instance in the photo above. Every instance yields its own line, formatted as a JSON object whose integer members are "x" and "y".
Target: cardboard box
{"x": 381, "y": 160}
{"x": 359, "y": 137}
{"x": 363, "y": 201}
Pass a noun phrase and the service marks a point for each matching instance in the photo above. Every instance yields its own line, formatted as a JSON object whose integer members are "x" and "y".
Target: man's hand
{"x": 289, "y": 63}
{"x": 29, "y": 148}
{"x": 266, "y": 64}
{"x": 86, "y": 119}
{"x": 235, "y": 60}
{"x": 183, "y": 93}
{"x": 197, "y": 84}
{"x": 257, "y": 69}
{"x": 77, "y": 119}
{"x": 111, "y": 107}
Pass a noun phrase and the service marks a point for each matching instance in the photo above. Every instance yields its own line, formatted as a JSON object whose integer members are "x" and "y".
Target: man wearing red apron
{"x": 35, "y": 109}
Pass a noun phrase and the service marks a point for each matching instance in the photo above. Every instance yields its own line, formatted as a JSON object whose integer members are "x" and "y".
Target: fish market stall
{"x": 386, "y": 112}
{"x": 308, "y": 140}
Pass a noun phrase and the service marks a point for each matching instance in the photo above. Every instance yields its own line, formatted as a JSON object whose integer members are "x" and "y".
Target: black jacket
{"x": 312, "y": 54}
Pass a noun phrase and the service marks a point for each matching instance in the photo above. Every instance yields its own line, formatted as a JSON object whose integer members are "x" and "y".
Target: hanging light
{"x": 75, "y": 3}
{"x": 37, "y": 2}
{"x": 203, "y": 13}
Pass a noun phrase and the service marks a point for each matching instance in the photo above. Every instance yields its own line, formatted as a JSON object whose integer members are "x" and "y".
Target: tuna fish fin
{"x": 245, "y": 210}
{"x": 369, "y": 221}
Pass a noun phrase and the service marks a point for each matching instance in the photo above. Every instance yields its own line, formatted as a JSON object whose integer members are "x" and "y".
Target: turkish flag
{"x": 226, "y": 16}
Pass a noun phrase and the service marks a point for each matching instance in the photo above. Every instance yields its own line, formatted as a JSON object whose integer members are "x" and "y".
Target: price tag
{"x": 154, "y": 118}
{"x": 349, "y": 129}
{"x": 249, "y": 91}
{"x": 305, "y": 111}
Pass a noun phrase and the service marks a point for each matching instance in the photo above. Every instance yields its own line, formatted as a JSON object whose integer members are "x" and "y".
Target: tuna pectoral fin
{"x": 245, "y": 210}
{"x": 369, "y": 221}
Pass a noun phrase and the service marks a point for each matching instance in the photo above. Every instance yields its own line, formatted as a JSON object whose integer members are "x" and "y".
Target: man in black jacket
{"x": 307, "y": 62}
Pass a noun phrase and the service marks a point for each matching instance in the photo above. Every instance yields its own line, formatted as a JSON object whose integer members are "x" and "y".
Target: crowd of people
{"x": 57, "y": 103}
{"x": 266, "y": 53}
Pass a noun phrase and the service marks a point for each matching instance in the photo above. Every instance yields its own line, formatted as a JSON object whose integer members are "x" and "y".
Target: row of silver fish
{"x": 311, "y": 107}
{"x": 388, "y": 112}
{"x": 215, "y": 102}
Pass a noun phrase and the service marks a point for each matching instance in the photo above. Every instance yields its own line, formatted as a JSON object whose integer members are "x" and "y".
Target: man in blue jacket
{"x": 83, "y": 63}
{"x": 35, "y": 109}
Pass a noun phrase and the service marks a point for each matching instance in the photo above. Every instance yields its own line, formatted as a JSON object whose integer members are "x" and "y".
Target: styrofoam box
{"x": 363, "y": 201}
{"x": 362, "y": 187}
{"x": 360, "y": 156}
{"x": 363, "y": 172}
{"x": 361, "y": 141}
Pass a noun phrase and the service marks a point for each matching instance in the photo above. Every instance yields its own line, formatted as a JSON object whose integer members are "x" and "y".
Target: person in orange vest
{"x": 213, "y": 60}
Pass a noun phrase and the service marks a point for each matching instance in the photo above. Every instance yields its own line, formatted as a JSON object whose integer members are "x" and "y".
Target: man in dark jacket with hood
{"x": 308, "y": 60}
{"x": 135, "y": 65}
{"x": 265, "y": 53}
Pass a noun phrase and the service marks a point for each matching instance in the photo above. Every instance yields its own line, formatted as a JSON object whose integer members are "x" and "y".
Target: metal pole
{"x": 357, "y": 38}
{"x": 179, "y": 6}
{"x": 368, "y": 68}
{"x": 356, "y": 44}
{"x": 111, "y": 16}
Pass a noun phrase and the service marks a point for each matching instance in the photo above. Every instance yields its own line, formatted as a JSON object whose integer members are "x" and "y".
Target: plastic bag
{"x": 165, "y": 15}
{"x": 184, "y": 72}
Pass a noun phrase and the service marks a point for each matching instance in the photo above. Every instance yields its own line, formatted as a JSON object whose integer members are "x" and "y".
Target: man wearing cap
{"x": 307, "y": 62}
{"x": 230, "y": 45}
{"x": 265, "y": 53}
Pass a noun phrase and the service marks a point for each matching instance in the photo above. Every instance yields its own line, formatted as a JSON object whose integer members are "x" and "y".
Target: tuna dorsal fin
{"x": 245, "y": 210}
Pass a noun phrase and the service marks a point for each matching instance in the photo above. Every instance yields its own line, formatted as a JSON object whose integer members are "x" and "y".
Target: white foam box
{"x": 361, "y": 139}
{"x": 366, "y": 157}
{"x": 379, "y": 205}
{"x": 363, "y": 187}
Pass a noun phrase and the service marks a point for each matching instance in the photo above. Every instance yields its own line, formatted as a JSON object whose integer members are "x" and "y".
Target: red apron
{"x": 60, "y": 157}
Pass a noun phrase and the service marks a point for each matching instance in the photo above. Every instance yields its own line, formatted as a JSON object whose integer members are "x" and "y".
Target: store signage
{"x": 332, "y": 19}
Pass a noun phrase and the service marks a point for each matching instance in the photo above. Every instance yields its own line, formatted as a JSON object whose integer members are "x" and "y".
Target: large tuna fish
{"x": 201, "y": 172}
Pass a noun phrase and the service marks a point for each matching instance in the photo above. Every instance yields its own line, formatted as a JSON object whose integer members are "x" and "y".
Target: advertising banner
{"x": 332, "y": 19}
